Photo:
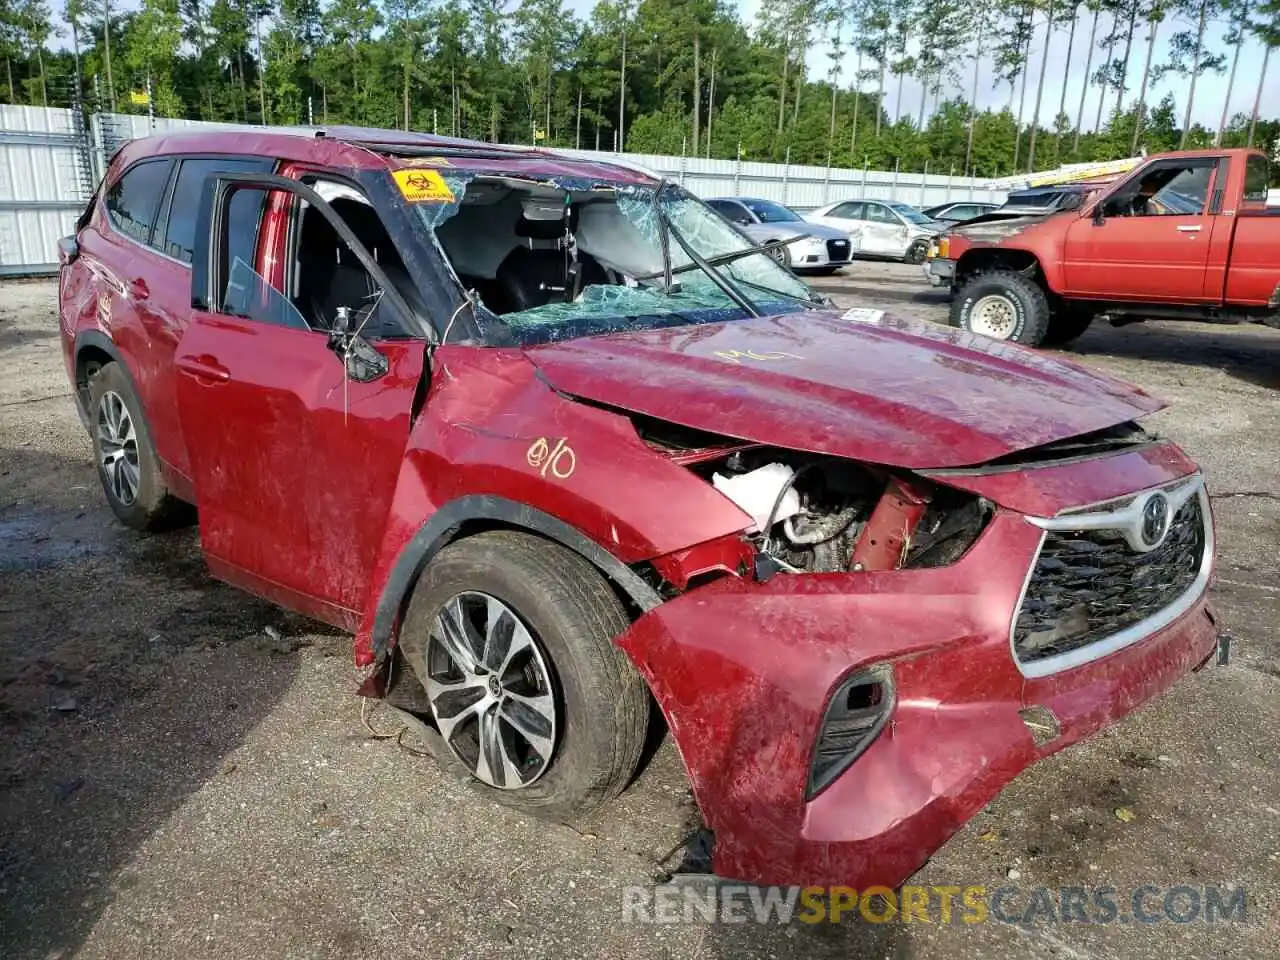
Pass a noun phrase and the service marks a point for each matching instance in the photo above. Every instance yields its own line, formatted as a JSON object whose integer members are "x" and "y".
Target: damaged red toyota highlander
{"x": 562, "y": 451}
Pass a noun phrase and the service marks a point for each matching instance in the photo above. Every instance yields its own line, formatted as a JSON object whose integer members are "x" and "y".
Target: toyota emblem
{"x": 1155, "y": 520}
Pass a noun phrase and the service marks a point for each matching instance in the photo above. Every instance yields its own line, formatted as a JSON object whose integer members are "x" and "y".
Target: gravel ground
{"x": 184, "y": 773}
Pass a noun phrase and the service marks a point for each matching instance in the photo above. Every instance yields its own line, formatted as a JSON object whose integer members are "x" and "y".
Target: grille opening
{"x": 1089, "y": 585}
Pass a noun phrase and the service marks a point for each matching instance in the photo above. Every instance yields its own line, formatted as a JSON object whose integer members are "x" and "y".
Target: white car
{"x": 822, "y": 251}
{"x": 886, "y": 228}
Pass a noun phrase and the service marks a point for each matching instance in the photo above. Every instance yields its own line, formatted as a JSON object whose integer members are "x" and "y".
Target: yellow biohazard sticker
{"x": 423, "y": 186}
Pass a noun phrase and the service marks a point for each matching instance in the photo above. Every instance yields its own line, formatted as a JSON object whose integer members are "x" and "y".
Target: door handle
{"x": 204, "y": 367}
{"x": 138, "y": 289}
{"x": 1189, "y": 229}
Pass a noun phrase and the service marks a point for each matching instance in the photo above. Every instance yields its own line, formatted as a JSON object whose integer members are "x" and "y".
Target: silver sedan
{"x": 823, "y": 249}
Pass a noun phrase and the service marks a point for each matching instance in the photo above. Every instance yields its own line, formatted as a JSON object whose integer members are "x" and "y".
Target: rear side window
{"x": 1257, "y": 179}
{"x": 133, "y": 200}
{"x": 178, "y": 240}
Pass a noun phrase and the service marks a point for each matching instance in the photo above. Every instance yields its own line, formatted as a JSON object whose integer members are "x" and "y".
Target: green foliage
{"x": 530, "y": 71}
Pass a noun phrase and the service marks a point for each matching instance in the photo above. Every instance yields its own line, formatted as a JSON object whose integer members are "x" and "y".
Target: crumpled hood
{"x": 898, "y": 392}
{"x": 992, "y": 227}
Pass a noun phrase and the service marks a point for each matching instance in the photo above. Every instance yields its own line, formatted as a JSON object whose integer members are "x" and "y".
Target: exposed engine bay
{"x": 818, "y": 514}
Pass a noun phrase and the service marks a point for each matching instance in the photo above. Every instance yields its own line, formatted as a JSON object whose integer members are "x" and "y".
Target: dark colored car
{"x": 958, "y": 211}
{"x": 561, "y": 448}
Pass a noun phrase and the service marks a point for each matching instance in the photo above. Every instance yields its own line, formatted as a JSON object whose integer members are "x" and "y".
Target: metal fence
{"x": 51, "y": 160}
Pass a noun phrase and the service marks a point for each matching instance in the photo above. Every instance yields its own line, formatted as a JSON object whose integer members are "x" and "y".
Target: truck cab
{"x": 1185, "y": 235}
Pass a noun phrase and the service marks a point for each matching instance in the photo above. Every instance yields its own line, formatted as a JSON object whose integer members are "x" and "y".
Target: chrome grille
{"x": 1093, "y": 583}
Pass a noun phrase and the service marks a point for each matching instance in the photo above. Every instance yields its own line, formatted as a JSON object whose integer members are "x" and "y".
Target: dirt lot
{"x": 183, "y": 771}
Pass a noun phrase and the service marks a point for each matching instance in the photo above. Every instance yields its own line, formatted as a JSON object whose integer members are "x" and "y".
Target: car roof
{"x": 370, "y": 148}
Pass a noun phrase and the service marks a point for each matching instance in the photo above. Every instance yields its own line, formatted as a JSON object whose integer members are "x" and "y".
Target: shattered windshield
{"x": 551, "y": 259}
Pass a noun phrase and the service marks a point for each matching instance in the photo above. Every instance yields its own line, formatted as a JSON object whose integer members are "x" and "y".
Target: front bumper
{"x": 939, "y": 273}
{"x": 811, "y": 255}
{"x": 743, "y": 672}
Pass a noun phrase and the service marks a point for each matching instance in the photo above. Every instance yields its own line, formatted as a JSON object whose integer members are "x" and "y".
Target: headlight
{"x": 855, "y": 716}
{"x": 940, "y": 248}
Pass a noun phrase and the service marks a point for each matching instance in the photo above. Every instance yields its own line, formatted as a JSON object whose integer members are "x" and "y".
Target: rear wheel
{"x": 1002, "y": 305}
{"x": 511, "y": 637}
{"x": 1067, "y": 324}
{"x": 125, "y": 456}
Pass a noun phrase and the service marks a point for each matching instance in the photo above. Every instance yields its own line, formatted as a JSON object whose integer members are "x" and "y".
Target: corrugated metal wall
{"x": 49, "y": 167}
{"x": 45, "y": 178}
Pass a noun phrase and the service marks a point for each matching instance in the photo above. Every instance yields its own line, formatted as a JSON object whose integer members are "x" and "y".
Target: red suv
{"x": 564, "y": 452}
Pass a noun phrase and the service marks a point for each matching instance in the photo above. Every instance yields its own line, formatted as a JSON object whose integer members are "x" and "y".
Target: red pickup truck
{"x": 1186, "y": 235}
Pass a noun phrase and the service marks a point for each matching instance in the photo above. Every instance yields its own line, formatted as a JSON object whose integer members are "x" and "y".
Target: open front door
{"x": 296, "y": 426}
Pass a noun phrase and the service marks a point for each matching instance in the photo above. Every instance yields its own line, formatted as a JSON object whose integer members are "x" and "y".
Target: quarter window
{"x": 133, "y": 200}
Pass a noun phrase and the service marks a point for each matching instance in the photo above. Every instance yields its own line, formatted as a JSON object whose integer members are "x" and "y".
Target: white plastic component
{"x": 757, "y": 491}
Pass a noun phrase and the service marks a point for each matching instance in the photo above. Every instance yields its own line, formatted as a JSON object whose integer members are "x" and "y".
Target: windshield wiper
{"x": 720, "y": 259}
{"x": 730, "y": 291}
{"x": 665, "y": 230}
{"x": 806, "y": 302}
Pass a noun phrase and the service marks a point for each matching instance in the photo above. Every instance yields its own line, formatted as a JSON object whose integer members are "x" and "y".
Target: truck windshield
{"x": 552, "y": 259}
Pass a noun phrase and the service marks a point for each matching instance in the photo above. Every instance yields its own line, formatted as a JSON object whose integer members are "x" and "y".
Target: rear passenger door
{"x": 165, "y": 304}
{"x": 132, "y": 277}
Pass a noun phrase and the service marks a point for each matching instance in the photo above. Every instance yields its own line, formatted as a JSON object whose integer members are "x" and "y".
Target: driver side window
{"x": 1164, "y": 190}
{"x": 323, "y": 286}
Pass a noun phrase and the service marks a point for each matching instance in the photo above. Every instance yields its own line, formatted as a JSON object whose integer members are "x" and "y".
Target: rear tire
{"x": 1002, "y": 305}
{"x": 593, "y": 707}
{"x": 128, "y": 467}
{"x": 1067, "y": 324}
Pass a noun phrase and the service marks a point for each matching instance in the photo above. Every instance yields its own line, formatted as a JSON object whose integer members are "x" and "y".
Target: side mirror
{"x": 361, "y": 361}
{"x": 68, "y": 250}
{"x": 1099, "y": 215}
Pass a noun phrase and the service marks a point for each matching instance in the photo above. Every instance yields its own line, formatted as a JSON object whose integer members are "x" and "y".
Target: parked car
{"x": 1185, "y": 235}
{"x": 885, "y": 228}
{"x": 958, "y": 211}
{"x": 824, "y": 250}
{"x": 558, "y": 445}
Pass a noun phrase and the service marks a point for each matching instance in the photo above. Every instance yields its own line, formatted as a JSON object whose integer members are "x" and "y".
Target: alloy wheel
{"x": 490, "y": 689}
{"x": 118, "y": 447}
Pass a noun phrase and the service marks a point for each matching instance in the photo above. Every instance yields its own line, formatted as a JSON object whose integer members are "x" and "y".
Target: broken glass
{"x": 616, "y": 225}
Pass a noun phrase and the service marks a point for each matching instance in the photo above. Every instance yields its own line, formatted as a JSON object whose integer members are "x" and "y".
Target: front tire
{"x": 916, "y": 252}
{"x": 125, "y": 455}
{"x": 511, "y": 637}
{"x": 781, "y": 254}
{"x": 1002, "y": 305}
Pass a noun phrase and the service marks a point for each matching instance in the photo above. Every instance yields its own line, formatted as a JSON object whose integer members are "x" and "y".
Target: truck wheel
{"x": 1002, "y": 305}
{"x": 123, "y": 452}
{"x": 1067, "y": 324}
{"x": 511, "y": 636}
